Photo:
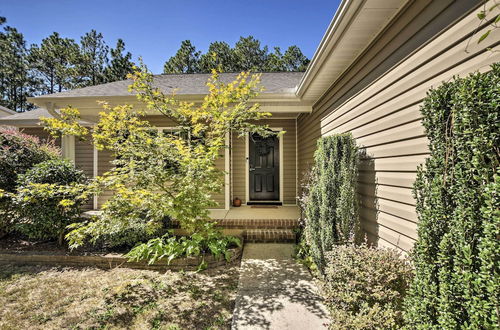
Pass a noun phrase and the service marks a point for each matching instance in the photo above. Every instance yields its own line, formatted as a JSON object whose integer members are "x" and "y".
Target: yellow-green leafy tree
{"x": 160, "y": 175}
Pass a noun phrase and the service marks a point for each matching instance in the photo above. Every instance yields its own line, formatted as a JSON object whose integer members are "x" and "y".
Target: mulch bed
{"x": 16, "y": 244}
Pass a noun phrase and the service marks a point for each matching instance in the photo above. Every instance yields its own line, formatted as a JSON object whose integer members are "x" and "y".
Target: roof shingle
{"x": 187, "y": 84}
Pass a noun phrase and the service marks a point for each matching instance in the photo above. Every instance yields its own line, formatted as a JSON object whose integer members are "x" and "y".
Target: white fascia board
{"x": 333, "y": 32}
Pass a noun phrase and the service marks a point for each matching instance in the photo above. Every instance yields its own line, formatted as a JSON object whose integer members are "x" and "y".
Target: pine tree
{"x": 294, "y": 60}
{"x": 53, "y": 63}
{"x": 275, "y": 61}
{"x": 121, "y": 64}
{"x": 16, "y": 81}
{"x": 249, "y": 54}
{"x": 219, "y": 55}
{"x": 93, "y": 60}
{"x": 186, "y": 60}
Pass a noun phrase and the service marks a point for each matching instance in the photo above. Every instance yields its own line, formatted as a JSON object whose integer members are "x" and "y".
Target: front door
{"x": 264, "y": 164}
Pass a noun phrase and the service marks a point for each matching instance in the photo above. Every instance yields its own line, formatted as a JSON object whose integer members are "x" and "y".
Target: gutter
{"x": 333, "y": 32}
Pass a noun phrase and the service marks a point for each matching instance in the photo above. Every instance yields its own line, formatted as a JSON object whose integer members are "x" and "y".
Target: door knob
{"x": 252, "y": 169}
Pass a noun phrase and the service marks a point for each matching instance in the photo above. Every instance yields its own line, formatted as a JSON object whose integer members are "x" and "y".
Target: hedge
{"x": 456, "y": 255}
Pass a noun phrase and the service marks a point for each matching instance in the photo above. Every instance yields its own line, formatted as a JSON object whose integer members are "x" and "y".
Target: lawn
{"x": 54, "y": 298}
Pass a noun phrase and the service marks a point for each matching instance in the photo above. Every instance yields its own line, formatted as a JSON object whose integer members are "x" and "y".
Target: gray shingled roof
{"x": 29, "y": 117}
{"x": 187, "y": 84}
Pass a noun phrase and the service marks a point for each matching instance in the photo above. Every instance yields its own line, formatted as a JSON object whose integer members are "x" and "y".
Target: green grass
{"x": 50, "y": 298}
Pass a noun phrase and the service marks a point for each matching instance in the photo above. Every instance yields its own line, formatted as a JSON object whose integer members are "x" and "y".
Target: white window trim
{"x": 247, "y": 165}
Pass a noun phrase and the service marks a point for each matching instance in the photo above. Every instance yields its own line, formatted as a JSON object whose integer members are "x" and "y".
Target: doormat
{"x": 264, "y": 206}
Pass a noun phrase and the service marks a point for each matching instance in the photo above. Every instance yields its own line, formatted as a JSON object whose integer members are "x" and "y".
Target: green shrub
{"x": 122, "y": 224}
{"x": 456, "y": 256}
{"x": 364, "y": 287}
{"x": 48, "y": 199}
{"x": 18, "y": 153}
{"x": 331, "y": 208}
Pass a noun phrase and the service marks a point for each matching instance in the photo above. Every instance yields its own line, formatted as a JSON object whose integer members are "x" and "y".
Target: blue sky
{"x": 155, "y": 29}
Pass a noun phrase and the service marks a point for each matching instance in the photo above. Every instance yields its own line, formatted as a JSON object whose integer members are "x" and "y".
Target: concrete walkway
{"x": 274, "y": 292}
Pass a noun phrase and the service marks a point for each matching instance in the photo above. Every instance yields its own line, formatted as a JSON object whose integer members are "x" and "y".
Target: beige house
{"x": 5, "y": 112}
{"x": 370, "y": 72}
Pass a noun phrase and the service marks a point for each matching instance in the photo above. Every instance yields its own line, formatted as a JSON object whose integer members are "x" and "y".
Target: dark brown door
{"x": 264, "y": 164}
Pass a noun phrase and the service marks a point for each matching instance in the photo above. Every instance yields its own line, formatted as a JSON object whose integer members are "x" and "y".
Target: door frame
{"x": 247, "y": 166}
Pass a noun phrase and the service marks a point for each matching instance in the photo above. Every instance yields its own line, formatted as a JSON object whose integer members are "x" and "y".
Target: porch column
{"x": 68, "y": 147}
{"x": 227, "y": 179}
{"x": 95, "y": 173}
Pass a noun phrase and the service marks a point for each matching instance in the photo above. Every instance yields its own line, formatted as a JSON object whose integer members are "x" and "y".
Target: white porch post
{"x": 68, "y": 147}
{"x": 95, "y": 170}
{"x": 227, "y": 179}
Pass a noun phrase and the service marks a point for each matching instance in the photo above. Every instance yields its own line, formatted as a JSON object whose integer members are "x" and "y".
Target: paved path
{"x": 274, "y": 292}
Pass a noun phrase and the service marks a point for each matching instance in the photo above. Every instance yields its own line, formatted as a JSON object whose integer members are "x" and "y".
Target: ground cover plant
{"x": 159, "y": 175}
{"x": 50, "y": 298}
{"x": 456, "y": 256}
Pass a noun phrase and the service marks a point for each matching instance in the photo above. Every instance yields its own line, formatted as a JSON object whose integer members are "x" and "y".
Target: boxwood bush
{"x": 364, "y": 287}
{"x": 48, "y": 199}
{"x": 456, "y": 256}
{"x": 331, "y": 207}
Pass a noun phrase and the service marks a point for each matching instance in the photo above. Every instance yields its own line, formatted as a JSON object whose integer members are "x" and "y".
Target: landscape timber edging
{"x": 113, "y": 261}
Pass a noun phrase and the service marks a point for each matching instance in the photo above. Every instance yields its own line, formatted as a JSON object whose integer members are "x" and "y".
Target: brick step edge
{"x": 253, "y": 223}
{"x": 269, "y": 236}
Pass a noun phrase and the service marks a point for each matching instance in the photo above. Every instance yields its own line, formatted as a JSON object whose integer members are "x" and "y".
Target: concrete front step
{"x": 269, "y": 236}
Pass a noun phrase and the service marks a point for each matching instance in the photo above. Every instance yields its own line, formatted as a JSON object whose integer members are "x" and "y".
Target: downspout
{"x": 51, "y": 108}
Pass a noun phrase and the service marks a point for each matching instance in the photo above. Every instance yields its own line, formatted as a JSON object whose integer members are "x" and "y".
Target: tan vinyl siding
{"x": 220, "y": 197}
{"x": 238, "y": 168}
{"x": 383, "y": 113}
{"x": 162, "y": 121}
{"x": 104, "y": 159}
{"x": 40, "y": 133}
{"x": 238, "y": 161}
{"x": 84, "y": 160}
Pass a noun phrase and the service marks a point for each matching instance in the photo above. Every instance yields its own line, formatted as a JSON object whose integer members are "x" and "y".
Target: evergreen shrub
{"x": 48, "y": 199}
{"x": 456, "y": 255}
{"x": 331, "y": 208}
{"x": 364, "y": 287}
